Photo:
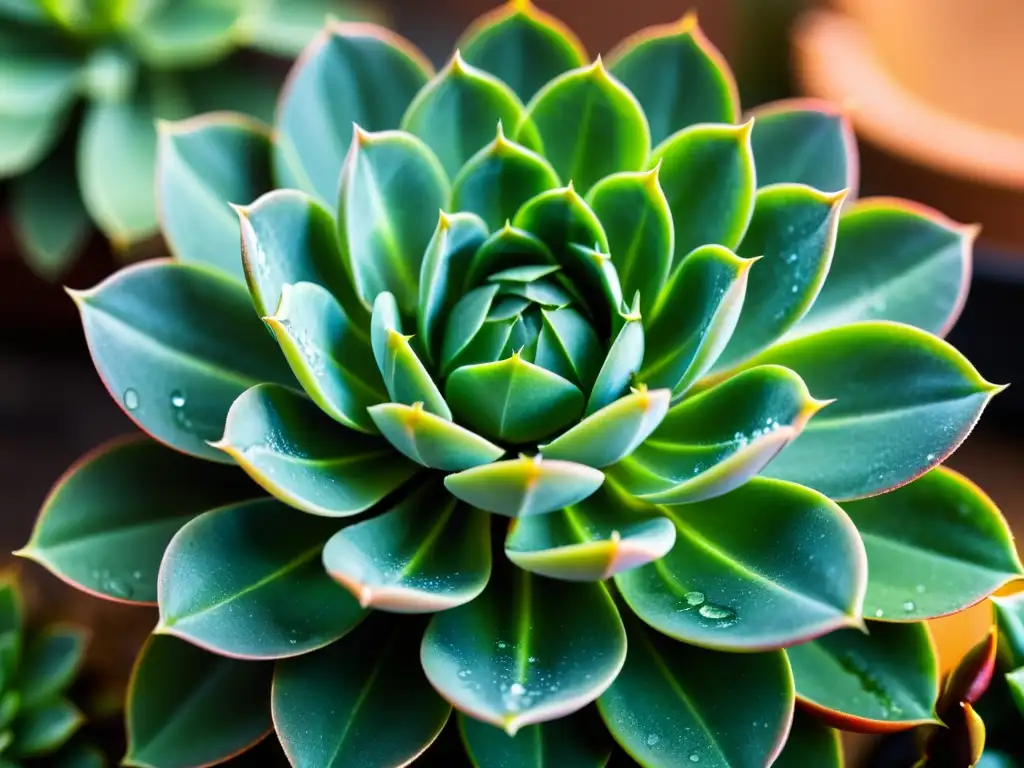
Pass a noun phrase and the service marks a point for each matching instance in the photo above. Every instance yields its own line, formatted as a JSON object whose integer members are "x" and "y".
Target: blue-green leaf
{"x": 576, "y": 741}
{"x": 622, "y": 364}
{"x": 430, "y": 440}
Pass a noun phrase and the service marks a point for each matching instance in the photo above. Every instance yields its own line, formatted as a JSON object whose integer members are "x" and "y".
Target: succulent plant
{"x": 545, "y": 389}
{"x": 81, "y": 83}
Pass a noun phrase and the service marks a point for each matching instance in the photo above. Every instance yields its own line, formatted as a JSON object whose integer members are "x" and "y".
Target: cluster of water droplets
{"x": 909, "y": 606}
{"x": 178, "y": 405}
{"x": 724, "y": 615}
{"x": 742, "y": 439}
{"x": 116, "y": 585}
{"x": 871, "y": 684}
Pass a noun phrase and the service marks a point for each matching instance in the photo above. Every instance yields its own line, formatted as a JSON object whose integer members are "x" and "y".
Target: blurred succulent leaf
{"x": 1015, "y": 681}
{"x": 567, "y": 345}
{"x": 811, "y": 742}
{"x": 271, "y": 601}
{"x": 577, "y": 741}
{"x": 42, "y": 730}
{"x": 284, "y": 28}
{"x": 189, "y": 707}
{"x": 1009, "y": 615}
{"x": 510, "y": 247}
{"x": 430, "y": 440}
{"x": 232, "y": 86}
{"x": 187, "y": 33}
{"x": 24, "y": 140}
{"x": 622, "y": 363}
{"x": 51, "y": 662}
{"x": 38, "y": 72}
{"x": 29, "y": 11}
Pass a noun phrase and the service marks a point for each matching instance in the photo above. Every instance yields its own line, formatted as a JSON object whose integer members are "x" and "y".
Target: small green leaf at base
{"x": 44, "y": 729}
{"x": 51, "y": 662}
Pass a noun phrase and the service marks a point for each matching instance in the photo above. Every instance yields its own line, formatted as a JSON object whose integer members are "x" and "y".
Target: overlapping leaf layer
{"x": 552, "y": 390}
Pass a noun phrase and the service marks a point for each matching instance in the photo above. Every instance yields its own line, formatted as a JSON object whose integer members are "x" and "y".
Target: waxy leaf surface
{"x": 811, "y": 742}
{"x": 577, "y": 741}
{"x": 430, "y": 440}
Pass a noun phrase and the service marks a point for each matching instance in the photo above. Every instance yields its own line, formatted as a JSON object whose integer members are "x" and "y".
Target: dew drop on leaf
{"x": 652, "y": 740}
{"x": 879, "y": 613}
{"x": 694, "y": 757}
{"x": 131, "y": 399}
{"x": 909, "y": 606}
{"x": 717, "y": 612}
{"x": 694, "y": 598}
{"x": 920, "y": 589}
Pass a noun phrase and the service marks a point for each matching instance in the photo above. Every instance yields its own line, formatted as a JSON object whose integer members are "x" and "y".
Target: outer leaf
{"x": 622, "y": 364}
{"x": 25, "y": 140}
{"x": 590, "y": 126}
{"x": 923, "y": 400}
{"x": 794, "y": 232}
{"x": 922, "y": 279}
{"x": 523, "y": 46}
{"x": 766, "y": 566}
{"x": 707, "y": 174}
{"x": 524, "y": 486}
{"x": 674, "y": 703}
{"x": 203, "y": 165}
{"x": 576, "y": 741}
{"x": 811, "y": 742}
{"x": 430, "y": 440}
{"x": 287, "y": 445}
{"x": 363, "y": 702}
{"x": 371, "y": 73}
{"x": 391, "y": 189}
{"x": 175, "y": 344}
{"x": 43, "y": 730}
{"x": 935, "y": 547}
{"x": 51, "y": 663}
{"x": 678, "y": 76}
{"x": 246, "y": 581}
{"x": 39, "y": 73}
{"x": 187, "y": 33}
{"x": 187, "y": 707}
{"x": 429, "y": 553}
{"x": 883, "y": 680}
{"x": 526, "y": 651}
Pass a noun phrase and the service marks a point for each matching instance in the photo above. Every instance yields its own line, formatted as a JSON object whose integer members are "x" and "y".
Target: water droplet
{"x": 909, "y": 606}
{"x": 794, "y": 288}
{"x": 930, "y": 457}
{"x": 694, "y": 598}
{"x": 879, "y": 613}
{"x": 652, "y": 739}
{"x": 791, "y": 257}
{"x": 871, "y": 684}
{"x": 464, "y": 673}
{"x": 517, "y": 689}
{"x": 118, "y": 588}
{"x": 717, "y": 612}
{"x": 131, "y": 399}
{"x": 136, "y": 574}
{"x": 178, "y": 408}
{"x": 177, "y": 399}
{"x": 532, "y": 659}
{"x": 694, "y": 757}
{"x": 920, "y": 589}
{"x": 502, "y": 644}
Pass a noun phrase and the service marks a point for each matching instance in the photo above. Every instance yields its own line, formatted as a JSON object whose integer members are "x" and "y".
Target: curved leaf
{"x": 371, "y": 75}
{"x": 765, "y": 566}
{"x": 203, "y": 165}
{"x": 811, "y": 742}
{"x": 289, "y": 446}
{"x": 526, "y": 651}
{"x": 429, "y": 553}
{"x": 875, "y": 681}
{"x": 175, "y": 344}
{"x": 430, "y": 440}
{"x": 246, "y": 581}
{"x": 465, "y": 322}
{"x": 576, "y": 741}
{"x": 362, "y": 702}
{"x": 25, "y": 140}
{"x": 1009, "y": 615}
{"x": 43, "y": 730}
{"x": 622, "y": 364}
{"x": 187, "y": 33}
{"x": 970, "y": 678}
{"x": 187, "y": 707}
{"x": 510, "y": 247}
{"x": 1015, "y": 681}
{"x": 51, "y": 662}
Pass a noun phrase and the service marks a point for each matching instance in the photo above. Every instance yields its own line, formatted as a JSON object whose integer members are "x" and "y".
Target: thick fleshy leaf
{"x": 524, "y": 486}
{"x": 567, "y": 345}
{"x": 499, "y": 179}
{"x": 523, "y": 46}
{"x": 935, "y": 547}
{"x": 511, "y": 247}
{"x": 805, "y": 141}
{"x": 392, "y": 187}
{"x": 678, "y": 76}
{"x": 634, "y": 212}
{"x": 430, "y": 440}
{"x": 465, "y": 322}
{"x": 591, "y": 540}
{"x": 969, "y": 680}
{"x": 291, "y": 448}
{"x": 895, "y": 260}
{"x": 1015, "y": 681}
{"x": 793, "y": 230}
{"x": 51, "y": 662}
{"x": 923, "y": 400}
{"x": 44, "y": 729}
{"x": 513, "y": 400}
{"x": 204, "y": 165}
{"x": 765, "y": 566}
{"x": 39, "y": 72}
{"x": 577, "y": 741}
{"x": 79, "y": 755}
{"x": 707, "y": 174}
{"x": 187, "y": 33}
{"x": 362, "y": 702}
{"x": 371, "y": 75}
{"x": 246, "y": 581}
{"x": 175, "y": 344}
{"x": 527, "y": 651}
{"x": 694, "y": 317}
{"x": 883, "y": 680}
{"x": 811, "y": 742}
{"x": 622, "y": 364}
{"x": 705, "y": 446}
{"x": 590, "y": 126}
{"x": 1009, "y": 614}
{"x": 25, "y": 140}
{"x": 187, "y": 707}
{"x": 427, "y": 554}
{"x": 675, "y": 704}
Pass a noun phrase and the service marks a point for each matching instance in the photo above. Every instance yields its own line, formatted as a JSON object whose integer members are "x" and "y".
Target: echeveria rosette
{"x": 573, "y": 398}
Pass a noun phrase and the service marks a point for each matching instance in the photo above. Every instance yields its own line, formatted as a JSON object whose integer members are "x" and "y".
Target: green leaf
{"x": 106, "y": 523}
{"x": 11, "y": 626}
{"x": 622, "y": 364}
{"x": 694, "y": 317}
{"x": 707, "y": 175}
{"x": 362, "y": 702}
{"x": 291, "y": 448}
{"x": 428, "y": 553}
{"x": 187, "y": 33}
{"x": 80, "y": 756}
{"x": 513, "y": 400}
{"x": 188, "y": 707}
{"x": 465, "y": 322}
{"x": 765, "y": 566}
{"x": 523, "y": 46}
{"x": 924, "y": 397}
{"x": 567, "y": 345}
{"x": 634, "y": 212}
{"x": 28, "y": 11}
{"x": 589, "y": 125}
{"x": 1009, "y": 614}
{"x": 511, "y": 247}
{"x": 430, "y": 440}
{"x": 1015, "y": 681}
{"x": 811, "y": 742}
{"x": 284, "y": 27}
{"x": 392, "y": 187}
{"x": 25, "y": 139}
{"x": 935, "y": 547}
{"x": 885, "y": 679}
{"x": 993, "y": 758}
{"x": 496, "y": 181}
{"x": 894, "y": 260}
{"x": 527, "y": 651}
{"x": 51, "y": 663}
{"x": 524, "y": 486}
{"x": 371, "y": 73}
{"x": 246, "y": 581}
{"x": 675, "y": 704}
{"x": 793, "y": 231}
{"x": 805, "y": 141}
{"x": 44, "y": 729}
{"x": 577, "y": 741}
{"x": 678, "y": 76}
{"x": 407, "y": 380}
{"x": 175, "y": 345}
{"x": 591, "y": 540}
